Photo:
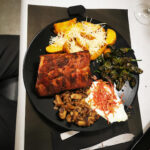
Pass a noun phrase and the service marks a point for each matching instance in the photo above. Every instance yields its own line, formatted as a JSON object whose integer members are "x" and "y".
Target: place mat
{"x": 42, "y": 134}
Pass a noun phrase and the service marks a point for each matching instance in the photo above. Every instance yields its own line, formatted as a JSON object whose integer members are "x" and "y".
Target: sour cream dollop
{"x": 104, "y": 100}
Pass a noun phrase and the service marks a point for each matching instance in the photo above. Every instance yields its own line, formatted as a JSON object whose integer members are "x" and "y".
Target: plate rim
{"x": 83, "y": 129}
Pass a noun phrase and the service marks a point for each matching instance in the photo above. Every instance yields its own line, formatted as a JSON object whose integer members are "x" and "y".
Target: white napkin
{"x": 113, "y": 141}
{"x": 68, "y": 134}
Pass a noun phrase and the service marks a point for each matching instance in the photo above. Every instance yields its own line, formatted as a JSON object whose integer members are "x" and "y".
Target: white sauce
{"x": 117, "y": 116}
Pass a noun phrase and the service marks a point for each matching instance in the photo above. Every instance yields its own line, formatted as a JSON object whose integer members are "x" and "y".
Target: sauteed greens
{"x": 117, "y": 67}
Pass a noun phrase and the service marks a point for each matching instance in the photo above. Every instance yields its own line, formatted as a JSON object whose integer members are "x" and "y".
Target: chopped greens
{"x": 117, "y": 67}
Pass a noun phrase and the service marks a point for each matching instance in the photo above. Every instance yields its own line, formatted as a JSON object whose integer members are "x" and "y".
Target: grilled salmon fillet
{"x": 60, "y": 72}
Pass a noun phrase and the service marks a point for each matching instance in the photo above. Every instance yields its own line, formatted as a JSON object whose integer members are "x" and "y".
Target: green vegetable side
{"x": 117, "y": 67}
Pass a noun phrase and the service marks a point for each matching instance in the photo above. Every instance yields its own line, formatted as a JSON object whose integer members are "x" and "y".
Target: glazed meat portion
{"x": 60, "y": 72}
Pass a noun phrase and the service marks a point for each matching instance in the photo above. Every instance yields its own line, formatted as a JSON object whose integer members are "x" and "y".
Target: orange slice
{"x": 107, "y": 50}
{"x": 98, "y": 53}
{"x": 54, "y": 48}
{"x": 111, "y": 37}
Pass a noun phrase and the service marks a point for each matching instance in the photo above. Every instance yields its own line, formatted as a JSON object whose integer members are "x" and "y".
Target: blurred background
{"x": 10, "y": 17}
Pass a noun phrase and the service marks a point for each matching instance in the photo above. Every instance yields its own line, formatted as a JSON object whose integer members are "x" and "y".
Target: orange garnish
{"x": 104, "y": 97}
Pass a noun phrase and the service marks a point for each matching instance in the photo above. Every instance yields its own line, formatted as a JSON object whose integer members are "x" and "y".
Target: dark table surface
{"x": 38, "y": 130}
